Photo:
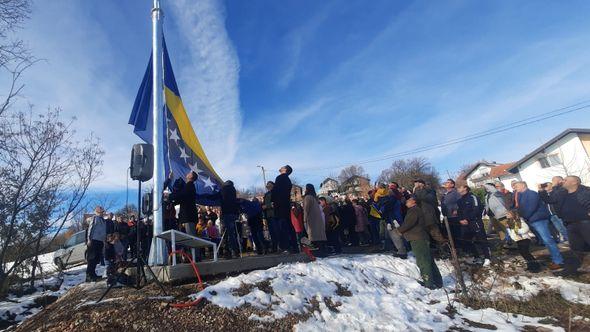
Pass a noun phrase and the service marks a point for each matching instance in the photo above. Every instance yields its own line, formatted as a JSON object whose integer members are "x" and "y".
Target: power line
{"x": 496, "y": 130}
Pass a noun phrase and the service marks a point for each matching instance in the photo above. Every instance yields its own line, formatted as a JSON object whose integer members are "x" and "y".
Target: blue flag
{"x": 182, "y": 150}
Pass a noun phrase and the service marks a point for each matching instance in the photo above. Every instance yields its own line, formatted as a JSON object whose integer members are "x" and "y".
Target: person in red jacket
{"x": 297, "y": 220}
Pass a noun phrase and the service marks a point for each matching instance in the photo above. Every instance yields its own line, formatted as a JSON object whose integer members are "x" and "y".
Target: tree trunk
{"x": 35, "y": 262}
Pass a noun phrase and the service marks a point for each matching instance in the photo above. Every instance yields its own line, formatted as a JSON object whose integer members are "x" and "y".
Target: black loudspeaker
{"x": 142, "y": 164}
{"x": 146, "y": 203}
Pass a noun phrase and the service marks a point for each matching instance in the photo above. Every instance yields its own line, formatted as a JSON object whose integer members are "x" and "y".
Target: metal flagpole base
{"x": 158, "y": 252}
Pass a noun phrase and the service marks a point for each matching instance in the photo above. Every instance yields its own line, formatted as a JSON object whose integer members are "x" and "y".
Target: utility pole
{"x": 263, "y": 176}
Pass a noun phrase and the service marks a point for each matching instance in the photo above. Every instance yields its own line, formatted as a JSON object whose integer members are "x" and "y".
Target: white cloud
{"x": 80, "y": 76}
{"x": 209, "y": 84}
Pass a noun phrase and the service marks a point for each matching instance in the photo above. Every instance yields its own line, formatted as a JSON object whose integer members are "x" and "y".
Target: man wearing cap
{"x": 281, "y": 199}
{"x": 413, "y": 230}
{"x": 448, "y": 206}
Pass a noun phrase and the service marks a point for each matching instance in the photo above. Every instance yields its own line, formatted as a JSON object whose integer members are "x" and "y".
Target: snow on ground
{"x": 18, "y": 308}
{"x": 359, "y": 292}
{"x": 348, "y": 292}
{"x": 523, "y": 287}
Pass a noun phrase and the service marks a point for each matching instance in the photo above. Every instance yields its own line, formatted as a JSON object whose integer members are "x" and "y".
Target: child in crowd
{"x": 201, "y": 227}
{"x": 519, "y": 231}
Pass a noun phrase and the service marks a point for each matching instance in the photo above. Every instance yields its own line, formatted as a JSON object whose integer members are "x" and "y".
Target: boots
{"x": 533, "y": 266}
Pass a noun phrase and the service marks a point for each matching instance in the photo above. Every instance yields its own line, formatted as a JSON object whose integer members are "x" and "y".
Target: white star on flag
{"x": 195, "y": 168}
{"x": 174, "y": 136}
{"x": 208, "y": 183}
{"x": 183, "y": 154}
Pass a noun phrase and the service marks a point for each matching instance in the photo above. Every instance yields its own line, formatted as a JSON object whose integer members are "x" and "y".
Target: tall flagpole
{"x": 158, "y": 248}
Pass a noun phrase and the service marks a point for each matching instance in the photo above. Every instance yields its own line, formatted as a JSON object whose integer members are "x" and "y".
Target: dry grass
{"x": 548, "y": 304}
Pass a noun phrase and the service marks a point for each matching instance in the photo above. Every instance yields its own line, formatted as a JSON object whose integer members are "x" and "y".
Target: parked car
{"x": 72, "y": 252}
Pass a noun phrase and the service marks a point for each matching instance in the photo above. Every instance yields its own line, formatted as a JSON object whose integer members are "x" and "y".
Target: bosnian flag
{"x": 182, "y": 150}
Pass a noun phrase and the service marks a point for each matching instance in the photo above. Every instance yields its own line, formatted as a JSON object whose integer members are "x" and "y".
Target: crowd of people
{"x": 420, "y": 220}
{"x": 112, "y": 239}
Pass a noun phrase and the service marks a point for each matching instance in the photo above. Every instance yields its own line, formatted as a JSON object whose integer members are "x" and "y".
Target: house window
{"x": 550, "y": 160}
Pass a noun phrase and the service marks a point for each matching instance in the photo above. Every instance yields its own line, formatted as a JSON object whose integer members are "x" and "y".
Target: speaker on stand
{"x": 141, "y": 170}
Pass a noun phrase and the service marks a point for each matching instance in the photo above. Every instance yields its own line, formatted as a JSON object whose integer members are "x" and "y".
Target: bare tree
{"x": 44, "y": 176}
{"x": 108, "y": 202}
{"x": 350, "y": 171}
{"x": 405, "y": 171}
{"x": 15, "y": 58}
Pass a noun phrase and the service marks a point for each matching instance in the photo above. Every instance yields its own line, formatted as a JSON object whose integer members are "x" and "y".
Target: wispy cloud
{"x": 296, "y": 41}
{"x": 209, "y": 84}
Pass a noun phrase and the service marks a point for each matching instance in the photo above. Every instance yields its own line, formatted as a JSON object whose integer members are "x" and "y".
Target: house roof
{"x": 326, "y": 180}
{"x": 514, "y": 168}
{"x": 472, "y": 169}
{"x": 500, "y": 170}
{"x": 354, "y": 177}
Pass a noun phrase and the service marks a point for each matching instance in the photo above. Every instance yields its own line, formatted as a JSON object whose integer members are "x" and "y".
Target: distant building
{"x": 565, "y": 154}
{"x": 357, "y": 186}
{"x": 296, "y": 194}
{"x": 328, "y": 187}
{"x": 485, "y": 172}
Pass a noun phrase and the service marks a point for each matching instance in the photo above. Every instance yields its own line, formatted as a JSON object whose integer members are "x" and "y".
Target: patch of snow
{"x": 356, "y": 292}
{"x": 523, "y": 287}
{"x": 18, "y": 308}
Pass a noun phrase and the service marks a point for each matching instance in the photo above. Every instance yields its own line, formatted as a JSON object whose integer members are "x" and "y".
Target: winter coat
{"x": 281, "y": 197}
{"x": 312, "y": 218}
{"x": 559, "y": 194}
{"x": 212, "y": 232}
{"x": 331, "y": 219}
{"x": 518, "y": 230}
{"x": 431, "y": 217}
{"x": 425, "y": 195}
{"x": 347, "y": 215}
{"x": 470, "y": 209}
{"x": 186, "y": 197}
{"x": 381, "y": 192}
{"x": 495, "y": 202}
{"x": 448, "y": 203}
{"x": 531, "y": 207}
{"x": 297, "y": 219}
{"x": 413, "y": 228}
{"x": 362, "y": 219}
{"x": 390, "y": 208}
{"x": 269, "y": 211}
{"x": 97, "y": 229}
{"x": 250, "y": 208}
{"x": 227, "y": 197}
{"x": 123, "y": 229}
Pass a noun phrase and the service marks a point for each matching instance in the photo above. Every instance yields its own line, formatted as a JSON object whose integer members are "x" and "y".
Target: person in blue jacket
{"x": 473, "y": 234}
{"x": 253, "y": 211}
{"x": 536, "y": 214}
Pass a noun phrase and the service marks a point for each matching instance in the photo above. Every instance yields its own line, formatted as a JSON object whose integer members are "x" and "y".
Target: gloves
{"x": 389, "y": 227}
{"x": 395, "y": 223}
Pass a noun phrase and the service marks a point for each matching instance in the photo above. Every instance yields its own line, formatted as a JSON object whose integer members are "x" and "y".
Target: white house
{"x": 485, "y": 172}
{"x": 328, "y": 187}
{"x": 565, "y": 154}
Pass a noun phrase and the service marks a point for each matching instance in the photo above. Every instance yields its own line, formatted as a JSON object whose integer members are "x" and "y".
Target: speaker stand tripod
{"x": 139, "y": 260}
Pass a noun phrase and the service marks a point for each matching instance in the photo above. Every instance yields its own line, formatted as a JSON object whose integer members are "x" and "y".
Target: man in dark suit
{"x": 186, "y": 197}
{"x": 281, "y": 199}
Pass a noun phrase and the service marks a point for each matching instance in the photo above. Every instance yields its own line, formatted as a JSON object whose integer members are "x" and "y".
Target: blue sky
{"x": 319, "y": 83}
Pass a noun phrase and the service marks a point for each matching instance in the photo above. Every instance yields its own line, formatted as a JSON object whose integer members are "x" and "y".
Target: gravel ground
{"x": 144, "y": 310}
